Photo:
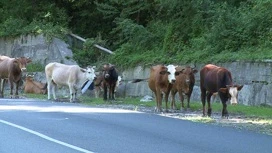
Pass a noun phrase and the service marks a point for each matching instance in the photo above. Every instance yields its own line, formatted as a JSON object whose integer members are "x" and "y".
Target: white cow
{"x": 73, "y": 76}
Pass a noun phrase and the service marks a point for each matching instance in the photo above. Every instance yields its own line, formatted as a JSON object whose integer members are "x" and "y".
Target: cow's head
{"x": 22, "y": 62}
{"x": 190, "y": 74}
{"x": 89, "y": 73}
{"x": 232, "y": 91}
{"x": 109, "y": 71}
{"x": 171, "y": 70}
{"x": 29, "y": 77}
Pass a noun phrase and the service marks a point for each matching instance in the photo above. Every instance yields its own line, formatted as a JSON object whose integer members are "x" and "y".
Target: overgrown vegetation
{"x": 35, "y": 67}
{"x": 145, "y": 32}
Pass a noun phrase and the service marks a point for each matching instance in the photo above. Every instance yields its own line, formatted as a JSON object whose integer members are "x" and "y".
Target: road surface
{"x": 32, "y": 126}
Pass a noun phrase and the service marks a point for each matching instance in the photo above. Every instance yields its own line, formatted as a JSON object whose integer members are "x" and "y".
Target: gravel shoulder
{"x": 237, "y": 121}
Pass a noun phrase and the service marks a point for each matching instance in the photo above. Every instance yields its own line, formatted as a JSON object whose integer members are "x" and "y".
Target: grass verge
{"x": 262, "y": 112}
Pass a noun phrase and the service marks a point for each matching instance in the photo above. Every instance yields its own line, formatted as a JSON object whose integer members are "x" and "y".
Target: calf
{"x": 12, "y": 69}
{"x": 73, "y": 76}
{"x": 32, "y": 86}
{"x": 217, "y": 79}
{"x": 184, "y": 84}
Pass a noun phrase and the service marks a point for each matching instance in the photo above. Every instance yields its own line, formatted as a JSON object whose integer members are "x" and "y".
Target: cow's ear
{"x": 83, "y": 70}
{"x": 223, "y": 90}
{"x": 28, "y": 60}
{"x": 239, "y": 87}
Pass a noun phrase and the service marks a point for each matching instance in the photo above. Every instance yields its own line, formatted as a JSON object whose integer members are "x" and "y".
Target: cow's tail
{"x": 138, "y": 80}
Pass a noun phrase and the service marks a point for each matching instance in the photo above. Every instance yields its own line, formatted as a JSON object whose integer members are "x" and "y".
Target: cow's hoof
{"x": 158, "y": 110}
{"x": 225, "y": 116}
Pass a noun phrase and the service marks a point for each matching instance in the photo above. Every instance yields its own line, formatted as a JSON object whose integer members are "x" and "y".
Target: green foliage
{"x": 89, "y": 54}
{"x": 35, "y": 67}
{"x": 32, "y": 18}
{"x": 145, "y": 32}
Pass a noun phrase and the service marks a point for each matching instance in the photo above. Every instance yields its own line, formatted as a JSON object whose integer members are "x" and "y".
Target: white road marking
{"x": 46, "y": 137}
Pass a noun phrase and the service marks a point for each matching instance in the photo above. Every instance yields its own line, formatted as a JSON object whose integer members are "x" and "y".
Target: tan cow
{"x": 185, "y": 80}
{"x": 32, "y": 86}
{"x": 73, "y": 76}
{"x": 160, "y": 81}
{"x": 11, "y": 69}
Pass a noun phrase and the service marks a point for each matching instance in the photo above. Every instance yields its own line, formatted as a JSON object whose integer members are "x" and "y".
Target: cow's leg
{"x": 209, "y": 95}
{"x": 173, "y": 100}
{"x": 188, "y": 100}
{"x": 158, "y": 100}
{"x": 224, "y": 98}
{"x": 203, "y": 100}
{"x": 166, "y": 101}
{"x": 72, "y": 93}
{"x": 110, "y": 92}
{"x": 11, "y": 88}
{"x": 16, "y": 90}
{"x": 49, "y": 89}
{"x": 105, "y": 93}
{"x": 97, "y": 91}
{"x": 54, "y": 91}
{"x": 225, "y": 111}
{"x": 2, "y": 88}
{"x": 113, "y": 91}
{"x": 181, "y": 98}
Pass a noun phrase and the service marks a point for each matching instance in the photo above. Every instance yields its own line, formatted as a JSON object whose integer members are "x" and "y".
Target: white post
{"x": 97, "y": 46}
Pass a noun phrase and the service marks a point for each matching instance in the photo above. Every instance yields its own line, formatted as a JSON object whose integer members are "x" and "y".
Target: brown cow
{"x": 110, "y": 78}
{"x": 217, "y": 79}
{"x": 98, "y": 85}
{"x": 32, "y": 86}
{"x": 11, "y": 69}
{"x": 160, "y": 81}
{"x": 184, "y": 84}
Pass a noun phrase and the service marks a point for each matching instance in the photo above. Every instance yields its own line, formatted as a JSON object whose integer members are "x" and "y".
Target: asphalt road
{"x": 30, "y": 126}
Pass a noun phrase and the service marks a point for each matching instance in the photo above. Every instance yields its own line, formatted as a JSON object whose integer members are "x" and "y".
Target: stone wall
{"x": 255, "y": 76}
{"x": 37, "y": 48}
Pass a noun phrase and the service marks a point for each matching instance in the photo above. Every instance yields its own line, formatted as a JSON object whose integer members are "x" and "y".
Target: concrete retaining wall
{"x": 255, "y": 76}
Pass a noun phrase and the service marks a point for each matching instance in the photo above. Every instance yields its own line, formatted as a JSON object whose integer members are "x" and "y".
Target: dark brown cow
{"x": 160, "y": 81}
{"x": 184, "y": 84}
{"x": 110, "y": 78}
{"x": 98, "y": 84}
{"x": 32, "y": 86}
{"x": 11, "y": 69}
{"x": 217, "y": 79}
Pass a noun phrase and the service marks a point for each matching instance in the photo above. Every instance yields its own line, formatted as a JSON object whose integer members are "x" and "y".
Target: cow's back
{"x": 61, "y": 73}
{"x": 212, "y": 78}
